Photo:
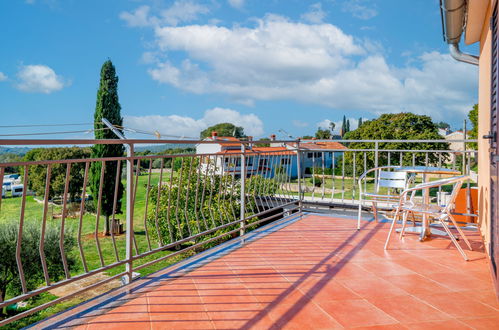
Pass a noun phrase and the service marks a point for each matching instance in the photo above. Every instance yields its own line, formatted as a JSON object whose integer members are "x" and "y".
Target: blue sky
{"x": 266, "y": 65}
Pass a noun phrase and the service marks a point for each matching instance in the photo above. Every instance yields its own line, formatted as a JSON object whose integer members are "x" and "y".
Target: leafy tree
{"x": 307, "y": 137}
{"x": 264, "y": 144}
{"x": 10, "y": 283}
{"x": 442, "y": 125}
{"x": 10, "y": 158}
{"x": 181, "y": 214}
{"x": 224, "y": 129}
{"x": 37, "y": 173}
{"x": 108, "y": 107}
{"x": 400, "y": 126}
{"x": 332, "y": 126}
{"x": 323, "y": 134}
{"x": 473, "y": 117}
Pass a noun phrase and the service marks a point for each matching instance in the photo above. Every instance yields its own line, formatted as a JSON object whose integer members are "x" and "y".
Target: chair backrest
{"x": 391, "y": 180}
{"x": 453, "y": 195}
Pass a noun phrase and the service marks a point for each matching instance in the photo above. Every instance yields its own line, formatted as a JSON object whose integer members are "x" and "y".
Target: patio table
{"x": 425, "y": 230}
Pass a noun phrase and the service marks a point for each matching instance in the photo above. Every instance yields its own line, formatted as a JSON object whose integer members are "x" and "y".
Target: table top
{"x": 428, "y": 169}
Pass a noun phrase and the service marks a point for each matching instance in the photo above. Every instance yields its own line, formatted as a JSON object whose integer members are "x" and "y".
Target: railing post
{"x": 129, "y": 211}
{"x": 376, "y": 153}
{"x": 242, "y": 224}
{"x": 298, "y": 169}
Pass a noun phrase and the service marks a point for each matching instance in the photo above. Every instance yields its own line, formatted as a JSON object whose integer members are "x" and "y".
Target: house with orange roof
{"x": 224, "y": 156}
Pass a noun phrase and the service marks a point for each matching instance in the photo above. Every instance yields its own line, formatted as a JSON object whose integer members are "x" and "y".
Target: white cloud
{"x": 315, "y": 14}
{"x": 139, "y": 17}
{"x": 3, "y": 76}
{"x": 175, "y": 125}
{"x": 238, "y": 4}
{"x": 180, "y": 11}
{"x": 362, "y": 9}
{"x": 183, "y": 11}
{"x": 278, "y": 59}
{"x": 39, "y": 79}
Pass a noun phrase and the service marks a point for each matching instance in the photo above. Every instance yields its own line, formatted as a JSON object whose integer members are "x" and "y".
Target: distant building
{"x": 225, "y": 156}
{"x": 456, "y": 146}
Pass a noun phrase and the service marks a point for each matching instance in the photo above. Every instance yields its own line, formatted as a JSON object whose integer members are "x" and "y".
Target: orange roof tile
{"x": 328, "y": 145}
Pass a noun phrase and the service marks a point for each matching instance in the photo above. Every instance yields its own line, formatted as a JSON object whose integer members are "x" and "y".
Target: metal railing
{"x": 331, "y": 175}
{"x": 173, "y": 203}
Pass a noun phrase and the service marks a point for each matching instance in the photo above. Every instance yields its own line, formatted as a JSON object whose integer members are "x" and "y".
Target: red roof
{"x": 328, "y": 145}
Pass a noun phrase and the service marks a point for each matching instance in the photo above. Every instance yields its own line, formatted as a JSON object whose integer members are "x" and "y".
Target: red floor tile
{"x": 482, "y": 323}
{"x": 356, "y": 313}
{"x": 318, "y": 273}
{"x": 458, "y": 305}
{"x": 407, "y": 309}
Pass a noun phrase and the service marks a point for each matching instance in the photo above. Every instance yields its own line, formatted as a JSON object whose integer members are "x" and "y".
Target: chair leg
{"x": 360, "y": 215}
{"x": 404, "y": 222}
{"x": 460, "y": 231}
{"x": 442, "y": 221}
{"x": 413, "y": 219}
{"x": 391, "y": 228}
{"x": 375, "y": 211}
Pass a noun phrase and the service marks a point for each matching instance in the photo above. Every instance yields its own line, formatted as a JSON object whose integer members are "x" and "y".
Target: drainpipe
{"x": 456, "y": 54}
{"x": 453, "y": 14}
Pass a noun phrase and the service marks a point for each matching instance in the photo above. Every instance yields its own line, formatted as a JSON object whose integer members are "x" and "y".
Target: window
{"x": 285, "y": 161}
{"x": 314, "y": 155}
{"x": 263, "y": 162}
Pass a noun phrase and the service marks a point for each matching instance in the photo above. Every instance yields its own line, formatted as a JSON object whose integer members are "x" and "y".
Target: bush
{"x": 10, "y": 283}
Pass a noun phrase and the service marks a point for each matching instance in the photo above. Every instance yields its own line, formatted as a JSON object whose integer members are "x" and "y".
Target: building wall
{"x": 483, "y": 128}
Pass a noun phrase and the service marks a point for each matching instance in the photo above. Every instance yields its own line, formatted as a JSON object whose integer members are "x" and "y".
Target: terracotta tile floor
{"x": 318, "y": 273}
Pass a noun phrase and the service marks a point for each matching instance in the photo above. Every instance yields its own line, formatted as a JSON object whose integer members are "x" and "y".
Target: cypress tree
{"x": 360, "y": 122}
{"x": 107, "y": 107}
{"x": 347, "y": 129}
{"x": 343, "y": 126}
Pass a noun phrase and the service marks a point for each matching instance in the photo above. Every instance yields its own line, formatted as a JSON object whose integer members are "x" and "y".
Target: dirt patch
{"x": 85, "y": 282}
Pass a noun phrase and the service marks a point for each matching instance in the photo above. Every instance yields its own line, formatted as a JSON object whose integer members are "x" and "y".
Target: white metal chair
{"x": 385, "y": 177}
{"x": 441, "y": 213}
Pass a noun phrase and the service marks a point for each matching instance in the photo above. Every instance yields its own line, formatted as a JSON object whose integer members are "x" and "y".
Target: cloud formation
{"x": 3, "y": 76}
{"x": 39, "y": 79}
{"x": 175, "y": 125}
{"x": 180, "y": 11}
{"x": 315, "y": 14}
{"x": 361, "y": 9}
{"x": 238, "y": 4}
{"x": 279, "y": 59}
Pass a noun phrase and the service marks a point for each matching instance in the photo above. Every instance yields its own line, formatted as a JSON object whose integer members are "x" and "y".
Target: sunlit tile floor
{"x": 317, "y": 273}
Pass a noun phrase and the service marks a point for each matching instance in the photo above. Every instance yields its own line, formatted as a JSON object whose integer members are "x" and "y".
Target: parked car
{"x": 3, "y": 191}
{"x": 12, "y": 176}
{"x": 7, "y": 184}
{"x": 17, "y": 190}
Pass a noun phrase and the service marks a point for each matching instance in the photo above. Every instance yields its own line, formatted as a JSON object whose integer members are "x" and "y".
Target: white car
{"x": 17, "y": 190}
{"x": 7, "y": 184}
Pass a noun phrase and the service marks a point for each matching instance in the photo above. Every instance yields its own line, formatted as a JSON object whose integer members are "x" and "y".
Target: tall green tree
{"x": 108, "y": 107}
{"x": 473, "y": 117}
{"x": 323, "y": 134}
{"x": 343, "y": 126}
{"x": 398, "y": 126}
{"x": 347, "y": 126}
{"x": 223, "y": 129}
{"x": 360, "y": 122}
